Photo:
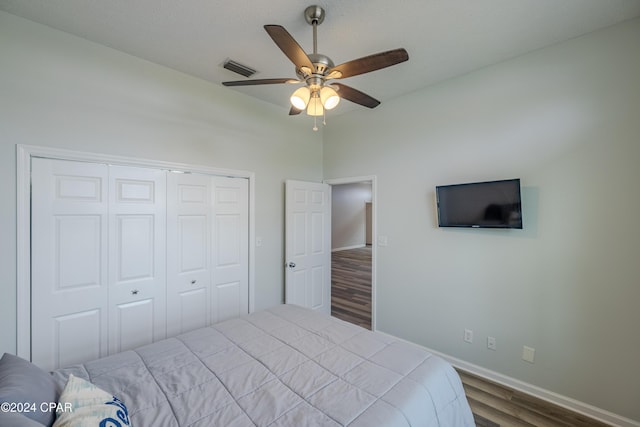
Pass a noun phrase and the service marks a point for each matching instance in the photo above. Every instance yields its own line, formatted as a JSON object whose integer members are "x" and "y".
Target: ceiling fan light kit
{"x": 315, "y": 107}
{"x": 300, "y": 98}
{"x": 329, "y": 97}
{"x": 315, "y": 70}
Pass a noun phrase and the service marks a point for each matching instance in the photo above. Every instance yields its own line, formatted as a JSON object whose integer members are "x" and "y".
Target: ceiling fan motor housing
{"x": 321, "y": 64}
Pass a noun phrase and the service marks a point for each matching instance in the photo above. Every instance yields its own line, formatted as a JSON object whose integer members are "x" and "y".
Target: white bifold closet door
{"x": 189, "y": 255}
{"x": 207, "y": 257}
{"x": 137, "y": 247}
{"x": 69, "y": 262}
{"x": 230, "y": 285}
{"x": 124, "y": 256}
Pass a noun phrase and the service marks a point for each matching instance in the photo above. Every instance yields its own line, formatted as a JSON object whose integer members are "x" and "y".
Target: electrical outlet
{"x": 491, "y": 343}
{"x": 528, "y": 354}
{"x": 468, "y": 336}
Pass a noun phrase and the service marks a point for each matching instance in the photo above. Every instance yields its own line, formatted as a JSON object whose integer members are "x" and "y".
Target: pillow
{"x": 84, "y": 404}
{"x": 23, "y": 382}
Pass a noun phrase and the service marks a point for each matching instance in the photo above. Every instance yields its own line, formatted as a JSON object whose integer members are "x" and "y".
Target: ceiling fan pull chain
{"x": 315, "y": 123}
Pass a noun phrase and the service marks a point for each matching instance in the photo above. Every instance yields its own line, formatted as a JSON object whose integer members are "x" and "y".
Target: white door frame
{"x": 374, "y": 252}
{"x": 24, "y": 153}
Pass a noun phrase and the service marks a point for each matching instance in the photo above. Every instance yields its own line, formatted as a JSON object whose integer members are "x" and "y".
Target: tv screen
{"x": 494, "y": 204}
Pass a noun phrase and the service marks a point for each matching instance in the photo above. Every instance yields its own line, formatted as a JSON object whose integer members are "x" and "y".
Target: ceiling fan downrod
{"x": 314, "y": 15}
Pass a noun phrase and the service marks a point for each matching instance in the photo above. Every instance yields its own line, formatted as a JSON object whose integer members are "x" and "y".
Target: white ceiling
{"x": 444, "y": 38}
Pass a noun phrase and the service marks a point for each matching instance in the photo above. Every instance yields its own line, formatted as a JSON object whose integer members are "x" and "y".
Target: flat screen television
{"x": 493, "y": 204}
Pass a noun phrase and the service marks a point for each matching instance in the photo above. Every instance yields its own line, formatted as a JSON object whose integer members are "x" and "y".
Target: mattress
{"x": 286, "y": 366}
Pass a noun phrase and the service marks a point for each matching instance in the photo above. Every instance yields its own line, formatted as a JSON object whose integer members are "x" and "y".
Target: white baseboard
{"x": 346, "y": 248}
{"x": 535, "y": 391}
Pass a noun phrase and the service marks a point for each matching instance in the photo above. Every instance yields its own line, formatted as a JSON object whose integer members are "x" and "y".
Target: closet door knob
{"x": 193, "y": 282}
{"x": 134, "y": 292}
{"x": 292, "y": 264}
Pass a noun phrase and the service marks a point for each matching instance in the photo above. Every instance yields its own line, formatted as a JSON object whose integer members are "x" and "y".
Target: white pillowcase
{"x": 83, "y": 404}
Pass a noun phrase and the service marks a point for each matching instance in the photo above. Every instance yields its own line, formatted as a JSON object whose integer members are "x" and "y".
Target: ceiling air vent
{"x": 236, "y": 67}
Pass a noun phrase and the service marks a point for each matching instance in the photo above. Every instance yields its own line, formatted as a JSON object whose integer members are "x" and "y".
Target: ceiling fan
{"x": 315, "y": 70}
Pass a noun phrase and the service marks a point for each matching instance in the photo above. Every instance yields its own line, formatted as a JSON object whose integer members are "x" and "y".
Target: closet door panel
{"x": 194, "y": 310}
{"x": 135, "y": 238}
{"x": 137, "y": 248}
{"x": 230, "y": 291}
{"x": 78, "y": 244}
{"x": 69, "y": 262}
{"x": 228, "y": 302}
{"x": 77, "y": 337}
{"x": 133, "y": 323}
{"x": 188, "y": 252}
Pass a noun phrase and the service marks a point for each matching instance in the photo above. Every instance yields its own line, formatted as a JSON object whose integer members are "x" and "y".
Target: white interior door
{"x": 137, "y": 254}
{"x": 189, "y": 226}
{"x": 230, "y": 288}
{"x": 308, "y": 245}
{"x": 69, "y": 285}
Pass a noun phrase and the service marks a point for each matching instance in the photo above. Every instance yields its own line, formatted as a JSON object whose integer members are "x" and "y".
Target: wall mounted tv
{"x": 493, "y": 204}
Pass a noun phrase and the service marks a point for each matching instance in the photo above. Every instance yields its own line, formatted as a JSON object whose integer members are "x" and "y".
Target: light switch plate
{"x": 528, "y": 354}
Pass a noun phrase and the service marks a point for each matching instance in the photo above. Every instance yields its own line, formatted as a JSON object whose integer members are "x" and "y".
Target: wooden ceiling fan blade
{"x": 289, "y": 46}
{"x": 260, "y": 82}
{"x": 354, "y": 95}
{"x": 369, "y": 63}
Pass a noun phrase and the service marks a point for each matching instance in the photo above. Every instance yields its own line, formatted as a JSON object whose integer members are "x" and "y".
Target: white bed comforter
{"x": 287, "y": 366}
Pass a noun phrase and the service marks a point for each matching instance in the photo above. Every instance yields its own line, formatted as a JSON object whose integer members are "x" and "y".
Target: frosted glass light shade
{"x": 300, "y": 98}
{"x": 315, "y": 107}
{"x": 329, "y": 97}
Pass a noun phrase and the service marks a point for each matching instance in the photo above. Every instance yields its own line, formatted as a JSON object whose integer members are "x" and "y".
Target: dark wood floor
{"x": 493, "y": 405}
{"x": 351, "y": 285}
{"x": 496, "y": 405}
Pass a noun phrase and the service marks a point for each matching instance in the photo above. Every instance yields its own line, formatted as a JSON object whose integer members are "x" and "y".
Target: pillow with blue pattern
{"x": 83, "y": 404}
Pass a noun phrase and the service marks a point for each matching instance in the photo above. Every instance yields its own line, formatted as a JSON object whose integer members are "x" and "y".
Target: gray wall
{"x": 61, "y": 91}
{"x": 348, "y": 226}
{"x": 565, "y": 120}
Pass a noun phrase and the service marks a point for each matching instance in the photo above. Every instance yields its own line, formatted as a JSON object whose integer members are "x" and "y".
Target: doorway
{"x": 352, "y": 250}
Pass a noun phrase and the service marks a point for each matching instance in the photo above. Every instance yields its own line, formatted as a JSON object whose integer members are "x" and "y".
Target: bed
{"x": 285, "y": 366}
